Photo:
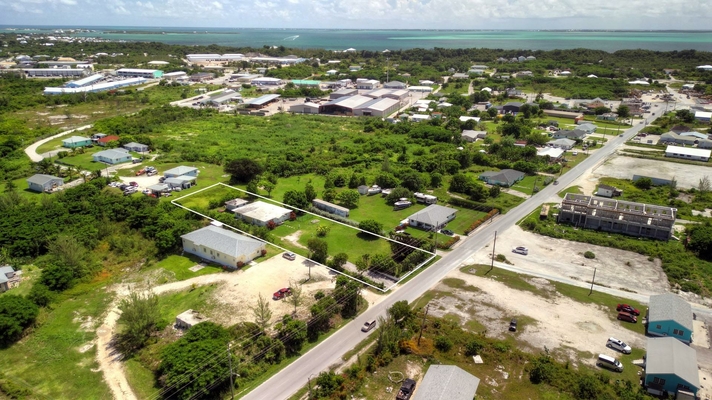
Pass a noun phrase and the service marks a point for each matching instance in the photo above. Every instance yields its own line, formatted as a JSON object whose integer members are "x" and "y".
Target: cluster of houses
{"x": 378, "y": 102}
{"x": 110, "y": 156}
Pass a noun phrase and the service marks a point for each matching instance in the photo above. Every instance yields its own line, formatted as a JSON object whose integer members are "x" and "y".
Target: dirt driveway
{"x": 614, "y": 268}
{"x": 555, "y": 322}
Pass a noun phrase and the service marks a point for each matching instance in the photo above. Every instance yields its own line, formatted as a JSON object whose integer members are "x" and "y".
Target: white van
{"x": 609, "y": 362}
{"x": 619, "y": 345}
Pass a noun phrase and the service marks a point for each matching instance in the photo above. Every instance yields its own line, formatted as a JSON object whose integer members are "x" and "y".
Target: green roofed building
{"x": 302, "y": 82}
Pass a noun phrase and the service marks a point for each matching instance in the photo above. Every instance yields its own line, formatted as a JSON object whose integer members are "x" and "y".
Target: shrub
{"x": 473, "y": 347}
{"x": 443, "y": 343}
{"x": 589, "y": 255}
{"x": 449, "y": 243}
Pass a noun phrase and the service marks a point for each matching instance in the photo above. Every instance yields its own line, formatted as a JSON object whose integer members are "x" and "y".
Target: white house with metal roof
{"x": 566, "y": 144}
{"x": 44, "y": 183}
{"x": 382, "y": 107}
{"x": 260, "y": 213}
{"x": 432, "y": 217}
{"x": 670, "y": 315}
{"x": 447, "y": 382}
{"x": 688, "y": 153}
{"x": 180, "y": 171}
{"x": 671, "y": 367}
{"x": 76, "y": 141}
{"x": 222, "y": 246}
{"x": 112, "y": 156}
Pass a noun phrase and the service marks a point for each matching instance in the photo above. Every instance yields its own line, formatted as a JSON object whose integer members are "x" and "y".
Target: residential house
{"x": 566, "y": 134}
{"x": 332, "y": 72}
{"x": 671, "y": 369}
{"x": 688, "y": 153}
{"x": 511, "y": 107}
{"x": 330, "y": 208}
{"x": 672, "y": 137}
{"x": 432, "y": 217}
{"x": 460, "y": 75}
{"x": 608, "y": 191}
{"x": 260, "y": 213}
{"x": 189, "y": 318}
{"x": 553, "y": 153}
{"x": 587, "y": 127}
{"x": 394, "y": 85}
{"x": 607, "y": 117}
{"x": 670, "y": 315}
{"x": 181, "y": 171}
{"x": 505, "y": 177}
{"x": 626, "y": 217}
{"x": 471, "y": 136}
{"x": 104, "y": 141}
{"x": 222, "y": 246}
{"x": 231, "y": 205}
{"x": 7, "y": 273}
{"x": 136, "y": 147}
{"x": 97, "y": 136}
{"x": 112, "y": 156}
{"x": 566, "y": 144}
{"x": 447, "y": 382}
{"x": 703, "y": 116}
{"x": 426, "y": 82}
{"x": 44, "y": 183}
{"x": 183, "y": 182}
{"x": 76, "y": 141}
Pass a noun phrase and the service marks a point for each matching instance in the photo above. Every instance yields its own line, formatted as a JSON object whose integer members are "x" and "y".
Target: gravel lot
{"x": 688, "y": 176}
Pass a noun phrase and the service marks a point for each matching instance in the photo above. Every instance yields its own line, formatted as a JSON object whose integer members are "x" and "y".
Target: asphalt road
{"x": 329, "y": 352}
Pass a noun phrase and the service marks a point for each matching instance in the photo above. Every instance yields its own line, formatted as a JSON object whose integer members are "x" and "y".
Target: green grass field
{"x": 527, "y": 184}
{"x": 176, "y": 268}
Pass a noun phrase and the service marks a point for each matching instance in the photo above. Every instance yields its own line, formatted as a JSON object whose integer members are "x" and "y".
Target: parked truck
{"x": 406, "y": 390}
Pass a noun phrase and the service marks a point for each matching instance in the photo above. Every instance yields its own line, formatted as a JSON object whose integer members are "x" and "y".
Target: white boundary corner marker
{"x": 432, "y": 255}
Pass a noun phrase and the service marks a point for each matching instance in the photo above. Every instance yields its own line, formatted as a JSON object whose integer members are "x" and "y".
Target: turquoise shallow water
{"x": 407, "y": 39}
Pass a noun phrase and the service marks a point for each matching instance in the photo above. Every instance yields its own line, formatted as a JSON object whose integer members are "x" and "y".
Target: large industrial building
{"x": 629, "y": 218}
{"x": 96, "y": 87}
{"x": 85, "y": 81}
{"x": 56, "y": 72}
{"x": 139, "y": 73}
{"x": 221, "y": 58}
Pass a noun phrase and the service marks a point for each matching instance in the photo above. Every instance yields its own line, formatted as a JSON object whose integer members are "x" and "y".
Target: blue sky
{"x": 365, "y": 14}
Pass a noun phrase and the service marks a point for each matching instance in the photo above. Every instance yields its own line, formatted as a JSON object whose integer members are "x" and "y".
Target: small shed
{"x": 188, "y": 319}
{"x": 362, "y": 190}
{"x": 230, "y": 205}
{"x": 330, "y": 207}
{"x": 136, "y": 147}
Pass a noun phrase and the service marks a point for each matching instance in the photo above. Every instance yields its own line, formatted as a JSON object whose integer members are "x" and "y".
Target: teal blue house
{"x": 76, "y": 141}
{"x": 670, "y": 368}
{"x": 670, "y": 315}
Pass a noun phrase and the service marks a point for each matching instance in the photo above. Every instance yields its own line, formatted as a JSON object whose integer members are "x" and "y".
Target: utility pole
{"x": 422, "y": 325}
{"x": 494, "y": 245}
{"x": 592, "y": 280}
{"x": 232, "y": 386}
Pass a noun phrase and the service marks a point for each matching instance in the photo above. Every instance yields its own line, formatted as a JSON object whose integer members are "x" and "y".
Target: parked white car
{"x": 619, "y": 345}
{"x": 521, "y": 250}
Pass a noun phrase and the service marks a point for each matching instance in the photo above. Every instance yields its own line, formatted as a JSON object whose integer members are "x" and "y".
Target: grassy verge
{"x": 176, "y": 268}
{"x": 570, "y": 189}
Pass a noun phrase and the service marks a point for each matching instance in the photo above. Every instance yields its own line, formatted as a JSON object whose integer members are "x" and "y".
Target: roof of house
{"x": 571, "y": 134}
{"x": 694, "y": 134}
{"x": 349, "y": 101}
{"x": 108, "y": 138}
{"x": 447, "y": 382}
{"x": 473, "y": 134}
{"x": 41, "y": 179}
{"x": 688, "y": 151}
{"x": 74, "y": 139}
{"x": 514, "y": 104}
{"x": 179, "y": 180}
{"x": 550, "y": 151}
{"x": 223, "y": 241}
{"x": 506, "y": 175}
{"x": 395, "y": 84}
{"x": 180, "y": 170}
{"x": 561, "y": 142}
{"x": 703, "y": 114}
{"x": 134, "y": 144}
{"x": 668, "y": 355}
{"x": 261, "y": 211}
{"x": 6, "y": 269}
{"x": 587, "y": 126}
{"x": 669, "y": 307}
{"x": 606, "y": 187}
{"x": 112, "y": 153}
{"x": 159, "y": 187}
{"x": 433, "y": 214}
{"x": 331, "y": 205}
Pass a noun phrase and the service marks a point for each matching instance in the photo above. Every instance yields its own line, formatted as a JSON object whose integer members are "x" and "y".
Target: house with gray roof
{"x": 505, "y": 177}
{"x": 566, "y": 134}
{"x": 566, "y": 144}
{"x": 112, "y": 156}
{"x": 222, "y": 246}
{"x": 587, "y": 127}
{"x": 432, "y": 217}
{"x": 6, "y": 273}
{"x": 671, "y": 367}
{"x": 181, "y": 171}
{"x": 447, "y": 382}
{"x": 676, "y": 138}
{"x": 44, "y": 183}
{"x": 76, "y": 141}
{"x": 261, "y": 213}
{"x": 136, "y": 147}
{"x": 670, "y": 315}
{"x": 471, "y": 136}
{"x": 183, "y": 181}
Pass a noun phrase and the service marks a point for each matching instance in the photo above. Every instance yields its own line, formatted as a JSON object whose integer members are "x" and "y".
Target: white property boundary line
{"x": 432, "y": 255}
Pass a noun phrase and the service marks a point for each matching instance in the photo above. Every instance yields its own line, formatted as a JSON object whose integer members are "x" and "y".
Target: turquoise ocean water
{"x": 378, "y": 40}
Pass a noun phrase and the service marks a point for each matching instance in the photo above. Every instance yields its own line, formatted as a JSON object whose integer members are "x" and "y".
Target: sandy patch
{"x": 687, "y": 176}
{"x": 86, "y": 347}
{"x": 293, "y": 238}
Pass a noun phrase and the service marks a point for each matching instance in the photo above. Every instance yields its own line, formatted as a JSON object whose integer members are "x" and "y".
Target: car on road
{"x": 289, "y": 256}
{"x": 556, "y": 182}
{"x": 621, "y": 135}
{"x": 619, "y": 345}
{"x": 628, "y": 309}
{"x": 521, "y": 250}
{"x": 367, "y": 326}
{"x": 628, "y": 317}
{"x": 513, "y": 325}
{"x": 447, "y": 232}
{"x": 282, "y": 293}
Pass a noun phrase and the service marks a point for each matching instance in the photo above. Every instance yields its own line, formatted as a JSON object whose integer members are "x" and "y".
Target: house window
{"x": 658, "y": 381}
{"x": 678, "y": 332}
{"x": 658, "y": 327}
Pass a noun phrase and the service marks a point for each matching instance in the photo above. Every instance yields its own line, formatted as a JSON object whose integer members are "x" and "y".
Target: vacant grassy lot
{"x": 176, "y": 268}
{"x": 570, "y": 189}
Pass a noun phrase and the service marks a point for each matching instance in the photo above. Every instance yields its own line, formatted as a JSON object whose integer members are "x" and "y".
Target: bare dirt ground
{"x": 236, "y": 293}
{"x": 557, "y": 323}
{"x": 614, "y": 268}
{"x": 687, "y": 176}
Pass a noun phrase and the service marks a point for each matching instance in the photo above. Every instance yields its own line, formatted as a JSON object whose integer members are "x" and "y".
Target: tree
{"x": 295, "y": 199}
{"x": 623, "y": 111}
{"x": 492, "y": 112}
{"x": 371, "y": 225}
{"x": 397, "y": 194}
{"x": 322, "y": 230}
{"x": 478, "y": 192}
{"x": 364, "y": 263}
{"x": 252, "y": 186}
{"x": 262, "y": 312}
{"x": 704, "y": 184}
{"x": 40, "y": 295}
{"x": 386, "y": 180}
{"x": 348, "y": 198}
{"x": 436, "y": 180}
{"x": 16, "y": 314}
{"x": 601, "y": 110}
{"x": 339, "y": 260}
{"x": 318, "y": 250}
{"x": 297, "y": 297}
{"x": 347, "y": 293}
{"x": 401, "y": 314}
{"x": 701, "y": 241}
{"x": 139, "y": 320}
{"x": 411, "y": 180}
{"x": 293, "y": 334}
{"x": 329, "y": 195}
{"x": 461, "y": 183}
{"x": 268, "y": 187}
{"x": 309, "y": 192}
{"x": 644, "y": 183}
{"x": 494, "y": 191}
{"x": 243, "y": 170}
{"x": 57, "y": 277}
